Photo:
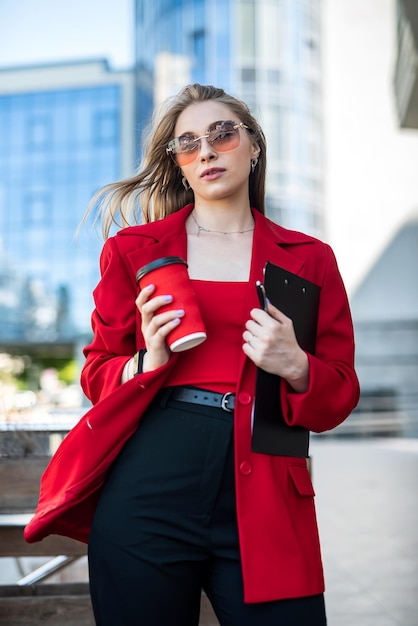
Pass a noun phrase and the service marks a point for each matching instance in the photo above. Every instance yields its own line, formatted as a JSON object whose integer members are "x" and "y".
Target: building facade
{"x": 267, "y": 52}
{"x": 65, "y": 130}
{"x": 406, "y": 69}
{"x": 385, "y": 314}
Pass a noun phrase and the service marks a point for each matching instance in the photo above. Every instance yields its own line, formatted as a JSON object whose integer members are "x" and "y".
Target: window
{"x": 246, "y": 30}
{"x": 105, "y": 127}
{"x": 39, "y": 132}
{"x": 199, "y": 46}
{"x": 38, "y": 208}
{"x": 248, "y": 75}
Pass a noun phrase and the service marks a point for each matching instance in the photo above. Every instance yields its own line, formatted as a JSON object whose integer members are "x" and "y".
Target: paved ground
{"x": 367, "y": 504}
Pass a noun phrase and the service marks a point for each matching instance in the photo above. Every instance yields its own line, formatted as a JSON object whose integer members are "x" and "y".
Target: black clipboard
{"x": 297, "y": 298}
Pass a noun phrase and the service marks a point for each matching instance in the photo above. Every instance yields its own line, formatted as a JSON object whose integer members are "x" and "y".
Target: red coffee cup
{"x": 170, "y": 276}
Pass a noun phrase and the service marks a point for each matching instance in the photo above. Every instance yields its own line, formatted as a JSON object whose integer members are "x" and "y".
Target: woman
{"x": 187, "y": 505}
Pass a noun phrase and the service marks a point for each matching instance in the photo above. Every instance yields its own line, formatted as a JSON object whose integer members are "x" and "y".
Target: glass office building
{"x": 64, "y": 132}
{"x": 267, "y": 52}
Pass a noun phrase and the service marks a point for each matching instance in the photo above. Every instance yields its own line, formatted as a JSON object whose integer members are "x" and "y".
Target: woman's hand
{"x": 156, "y": 326}
{"x": 270, "y": 342}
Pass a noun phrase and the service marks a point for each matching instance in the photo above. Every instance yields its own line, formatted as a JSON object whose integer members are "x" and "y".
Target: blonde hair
{"x": 156, "y": 190}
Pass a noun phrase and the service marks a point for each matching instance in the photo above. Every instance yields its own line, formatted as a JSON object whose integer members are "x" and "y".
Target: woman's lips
{"x": 212, "y": 174}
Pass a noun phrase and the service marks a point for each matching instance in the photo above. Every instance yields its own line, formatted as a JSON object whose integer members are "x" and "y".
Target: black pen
{"x": 261, "y": 295}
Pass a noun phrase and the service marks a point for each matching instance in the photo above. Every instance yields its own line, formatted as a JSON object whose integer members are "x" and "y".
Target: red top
{"x": 214, "y": 363}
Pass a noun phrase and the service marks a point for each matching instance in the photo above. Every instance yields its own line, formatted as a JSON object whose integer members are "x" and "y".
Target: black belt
{"x": 225, "y": 401}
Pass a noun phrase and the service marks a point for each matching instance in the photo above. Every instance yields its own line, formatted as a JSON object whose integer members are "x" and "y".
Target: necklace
{"x": 221, "y": 232}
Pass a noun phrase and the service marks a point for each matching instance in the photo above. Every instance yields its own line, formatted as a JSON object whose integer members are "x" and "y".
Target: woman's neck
{"x": 220, "y": 219}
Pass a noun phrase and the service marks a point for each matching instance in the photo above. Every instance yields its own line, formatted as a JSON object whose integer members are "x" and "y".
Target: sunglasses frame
{"x": 196, "y": 142}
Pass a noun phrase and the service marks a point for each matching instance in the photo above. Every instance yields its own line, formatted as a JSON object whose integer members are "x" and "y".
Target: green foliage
{"x": 24, "y": 371}
{"x": 69, "y": 372}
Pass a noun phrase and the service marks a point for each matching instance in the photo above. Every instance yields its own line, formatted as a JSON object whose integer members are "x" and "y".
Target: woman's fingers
{"x": 144, "y": 295}
{"x": 156, "y": 325}
{"x": 270, "y": 341}
{"x": 148, "y": 305}
{"x": 162, "y": 324}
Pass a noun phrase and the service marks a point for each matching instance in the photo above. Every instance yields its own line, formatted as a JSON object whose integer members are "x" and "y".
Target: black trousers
{"x": 165, "y": 528}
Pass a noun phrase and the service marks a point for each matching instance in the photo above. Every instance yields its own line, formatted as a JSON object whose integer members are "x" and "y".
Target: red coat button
{"x": 245, "y": 468}
{"x": 244, "y": 397}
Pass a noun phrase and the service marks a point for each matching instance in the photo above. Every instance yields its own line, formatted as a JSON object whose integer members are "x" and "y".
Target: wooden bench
{"x": 24, "y": 454}
{"x": 66, "y": 604}
{"x": 58, "y": 604}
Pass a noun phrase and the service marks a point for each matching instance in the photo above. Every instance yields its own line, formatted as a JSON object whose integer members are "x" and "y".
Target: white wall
{"x": 371, "y": 166}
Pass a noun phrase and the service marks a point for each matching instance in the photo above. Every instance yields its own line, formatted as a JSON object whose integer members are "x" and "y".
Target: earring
{"x": 185, "y": 183}
{"x": 254, "y": 164}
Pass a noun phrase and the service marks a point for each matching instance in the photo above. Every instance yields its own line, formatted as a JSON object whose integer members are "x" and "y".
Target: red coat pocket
{"x": 301, "y": 480}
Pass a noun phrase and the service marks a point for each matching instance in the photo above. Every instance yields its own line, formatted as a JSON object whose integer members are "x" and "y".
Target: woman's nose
{"x": 206, "y": 149}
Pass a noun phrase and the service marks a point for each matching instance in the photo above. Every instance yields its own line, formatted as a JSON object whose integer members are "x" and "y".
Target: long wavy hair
{"x": 156, "y": 190}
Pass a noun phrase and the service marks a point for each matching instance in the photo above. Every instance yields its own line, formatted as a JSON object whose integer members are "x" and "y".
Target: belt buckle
{"x": 224, "y": 402}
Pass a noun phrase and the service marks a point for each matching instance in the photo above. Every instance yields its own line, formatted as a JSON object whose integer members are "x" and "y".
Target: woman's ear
{"x": 255, "y": 150}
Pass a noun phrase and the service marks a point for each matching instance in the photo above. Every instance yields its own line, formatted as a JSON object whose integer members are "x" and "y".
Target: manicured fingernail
{"x": 168, "y": 298}
{"x": 149, "y": 287}
{"x": 176, "y": 320}
{"x": 180, "y": 312}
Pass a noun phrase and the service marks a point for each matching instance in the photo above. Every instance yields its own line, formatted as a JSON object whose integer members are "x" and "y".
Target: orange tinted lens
{"x": 184, "y": 158}
{"x": 224, "y": 139}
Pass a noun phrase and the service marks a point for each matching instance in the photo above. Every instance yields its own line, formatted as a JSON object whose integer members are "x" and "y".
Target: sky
{"x": 44, "y": 31}
{"x": 370, "y": 164}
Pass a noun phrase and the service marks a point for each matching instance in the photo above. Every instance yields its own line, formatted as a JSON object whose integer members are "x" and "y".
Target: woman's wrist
{"x": 138, "y": 362}
{"x": 134, "y": 366}
{"x": 299, "y": 380}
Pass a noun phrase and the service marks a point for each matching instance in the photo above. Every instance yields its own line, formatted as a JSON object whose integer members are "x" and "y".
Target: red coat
{"x": 275, "y": 505}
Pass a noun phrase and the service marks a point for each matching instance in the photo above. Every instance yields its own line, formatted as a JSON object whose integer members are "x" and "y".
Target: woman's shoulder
{"x": 156, "y": 228}
{"x": 140, "y": 235}
{"x": 289, "y": 236}
{"x": 317, "y": 256}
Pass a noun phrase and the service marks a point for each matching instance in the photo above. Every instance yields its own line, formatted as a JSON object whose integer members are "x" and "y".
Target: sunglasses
{"x": 222, "y": 136}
